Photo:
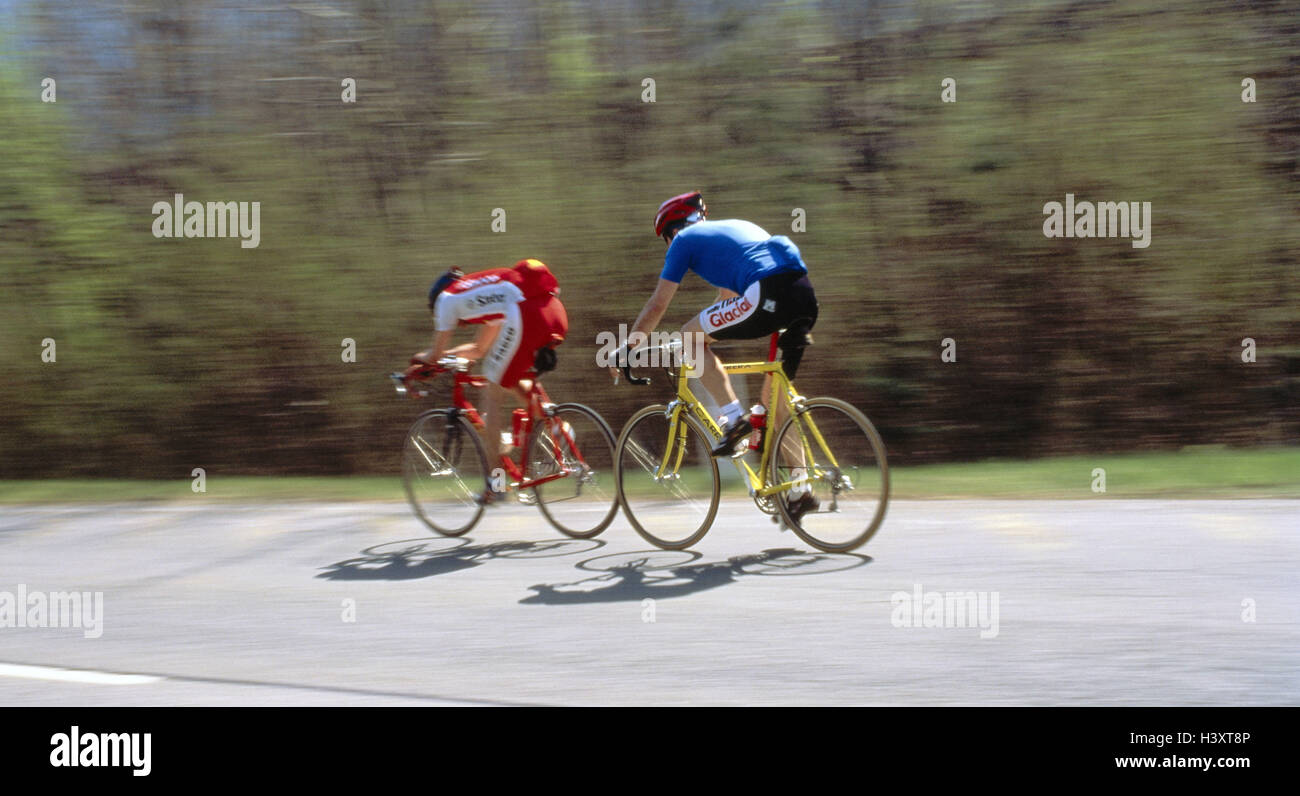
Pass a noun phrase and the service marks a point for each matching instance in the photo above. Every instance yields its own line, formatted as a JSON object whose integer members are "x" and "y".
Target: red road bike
{"x": 561, "y": 458}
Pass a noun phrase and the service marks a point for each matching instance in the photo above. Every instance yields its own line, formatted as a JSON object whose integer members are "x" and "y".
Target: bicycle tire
{"x": 831, "y": 479}
{"x": 427, "y": 449}
{"x": 554, "y": 492}
{"x": 634, "y": 461}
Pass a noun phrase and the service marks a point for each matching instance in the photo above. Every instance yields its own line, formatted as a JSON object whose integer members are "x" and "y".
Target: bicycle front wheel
{"x": 574, "y": 447}
{"x": 444, "y": 470}
{"x": 667, "y": 481}
{"x": 837, "y": 460}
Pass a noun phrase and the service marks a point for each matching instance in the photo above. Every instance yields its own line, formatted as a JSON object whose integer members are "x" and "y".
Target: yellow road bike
{"x": 669, "y": 484}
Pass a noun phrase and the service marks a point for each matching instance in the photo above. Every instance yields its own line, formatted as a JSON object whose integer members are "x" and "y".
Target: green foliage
{"x": 923, "y": 218}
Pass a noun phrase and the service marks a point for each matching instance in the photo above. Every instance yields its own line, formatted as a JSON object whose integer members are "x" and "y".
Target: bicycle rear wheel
{"x": 444, "y": 470}
{"x": 667, "y": 481}
{"x": 836, "y": 449}
{"x": 577, "y": 444}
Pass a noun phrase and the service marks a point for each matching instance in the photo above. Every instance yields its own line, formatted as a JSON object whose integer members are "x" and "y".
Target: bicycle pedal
{"x": 527, "y": 498}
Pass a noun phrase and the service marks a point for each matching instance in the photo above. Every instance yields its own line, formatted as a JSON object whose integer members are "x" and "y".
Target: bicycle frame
{"x": 538, "y": 410}
{"x": 782, "y": 391}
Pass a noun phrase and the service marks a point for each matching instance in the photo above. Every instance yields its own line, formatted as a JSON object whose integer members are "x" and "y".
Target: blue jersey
{"x": 732, "y": 254}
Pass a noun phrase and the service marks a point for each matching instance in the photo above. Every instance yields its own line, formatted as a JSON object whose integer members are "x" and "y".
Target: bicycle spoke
{"x": 428, "y": 452}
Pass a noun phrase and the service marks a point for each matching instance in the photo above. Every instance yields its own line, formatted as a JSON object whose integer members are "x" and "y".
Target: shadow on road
{"x": 423, "y": 558}
{"x": 662, "y": 574}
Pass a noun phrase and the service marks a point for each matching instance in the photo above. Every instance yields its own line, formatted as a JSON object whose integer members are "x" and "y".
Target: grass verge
{"x": 1196, "y": 473}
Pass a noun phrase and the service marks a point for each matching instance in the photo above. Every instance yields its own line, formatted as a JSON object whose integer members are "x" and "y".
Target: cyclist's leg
{"x": 544, "y": 323}
{"x": 731, "y": 319}
{"x": 792, "y": 344}
{"x": 798, "y": 309}
{"x": 740, "y": 318}
{"x": 493, "y": 422}
{"x": 502, "y": 378}
{"x": 707, "y": 365}
{"x": 780, "y": 302}
{"x": 541, "y": 323}
{"x": 783, "y": 302}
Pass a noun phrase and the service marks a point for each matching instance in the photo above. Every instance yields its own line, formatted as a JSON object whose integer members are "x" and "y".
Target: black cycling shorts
{"x": 781, "y": 301}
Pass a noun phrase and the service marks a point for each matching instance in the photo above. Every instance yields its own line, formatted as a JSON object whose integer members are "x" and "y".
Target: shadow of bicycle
{"x": 410, "y": 559}
{"x": 662, "y": 574}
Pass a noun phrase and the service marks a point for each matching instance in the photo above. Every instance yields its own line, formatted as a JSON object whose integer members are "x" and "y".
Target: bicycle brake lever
{"x": 639, "y": 380}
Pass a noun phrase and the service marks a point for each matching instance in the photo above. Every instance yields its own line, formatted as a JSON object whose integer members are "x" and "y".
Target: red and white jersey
{"x": 481, "y": 297}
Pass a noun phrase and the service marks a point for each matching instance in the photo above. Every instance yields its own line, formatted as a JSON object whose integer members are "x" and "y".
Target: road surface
{"x": 1109, "y": 602}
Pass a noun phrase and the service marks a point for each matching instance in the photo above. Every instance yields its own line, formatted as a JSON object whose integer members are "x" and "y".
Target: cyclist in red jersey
{"x": 520, "y": 320}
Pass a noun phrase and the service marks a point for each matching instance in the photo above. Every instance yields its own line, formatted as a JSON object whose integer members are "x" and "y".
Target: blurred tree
{"x": 923, "y": 218}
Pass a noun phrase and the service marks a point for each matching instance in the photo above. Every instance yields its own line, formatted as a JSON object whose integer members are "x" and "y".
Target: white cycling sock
{"x": 732, "y": 412}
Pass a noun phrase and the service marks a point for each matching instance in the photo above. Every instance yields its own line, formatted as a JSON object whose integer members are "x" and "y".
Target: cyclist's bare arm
{"x": 655, "y": 307}
{"x": 435, "y": 351}
{"x": 651, "y": 313}
{"x": 475, "y": 350}
{"x": 724, "y": 294}
{"x": 482, "y": 343}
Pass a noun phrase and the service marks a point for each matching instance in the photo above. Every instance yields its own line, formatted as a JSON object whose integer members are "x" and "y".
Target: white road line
{"x": 74, "y": 675}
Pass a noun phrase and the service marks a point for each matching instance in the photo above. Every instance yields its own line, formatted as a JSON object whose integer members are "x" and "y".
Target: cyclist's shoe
{"x": 734, "y": 433}
{"x": 490, "y": 497}
{"x": 802, "y": 505}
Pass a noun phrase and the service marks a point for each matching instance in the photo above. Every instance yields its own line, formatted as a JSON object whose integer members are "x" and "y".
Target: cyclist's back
{"x": 480, "y": 297}
{"x": 731, "y": 254}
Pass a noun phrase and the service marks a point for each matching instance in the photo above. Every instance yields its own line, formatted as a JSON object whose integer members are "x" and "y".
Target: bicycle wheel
{"x": 444, "y": 470}
{"x": 835, "y": 447}
{"x": 576, "y": 444}
{"x": 667, "y": 481}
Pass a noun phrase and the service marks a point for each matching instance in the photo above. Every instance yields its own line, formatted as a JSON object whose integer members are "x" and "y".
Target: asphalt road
{"x": 1114, "y": 602}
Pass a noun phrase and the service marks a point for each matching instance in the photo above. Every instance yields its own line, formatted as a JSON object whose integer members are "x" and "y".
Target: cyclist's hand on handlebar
{"x": 617, "y": 362}
{"x": 417, "y": 370}
{"x": 623, "y": 369}
{"x": 423, "y": 358}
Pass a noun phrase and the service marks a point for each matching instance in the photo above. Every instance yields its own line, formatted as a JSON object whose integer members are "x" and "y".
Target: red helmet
{"x": 679, "y": 208}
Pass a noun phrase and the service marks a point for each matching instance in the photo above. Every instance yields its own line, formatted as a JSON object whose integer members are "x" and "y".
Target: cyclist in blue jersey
{"x": 763, "y": 287}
